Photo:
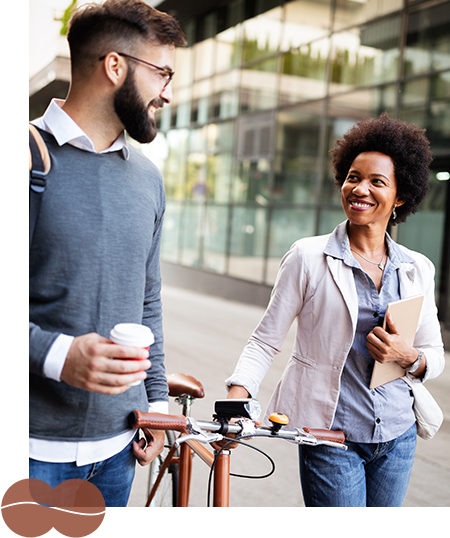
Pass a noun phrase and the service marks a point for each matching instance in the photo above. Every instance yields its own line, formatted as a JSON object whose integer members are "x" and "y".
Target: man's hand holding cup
{"x": 89, "y": 366}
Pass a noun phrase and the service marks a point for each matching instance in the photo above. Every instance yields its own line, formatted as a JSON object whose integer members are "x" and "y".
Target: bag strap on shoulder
{"x": 39, "y": 166}
{"x": 39, "y": 160}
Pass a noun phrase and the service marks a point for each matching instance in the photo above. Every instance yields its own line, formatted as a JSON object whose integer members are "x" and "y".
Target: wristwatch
{"x": 415, "y": 365}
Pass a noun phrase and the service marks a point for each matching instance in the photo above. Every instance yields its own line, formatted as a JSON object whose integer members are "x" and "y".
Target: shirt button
{"x": 378, "y": 420}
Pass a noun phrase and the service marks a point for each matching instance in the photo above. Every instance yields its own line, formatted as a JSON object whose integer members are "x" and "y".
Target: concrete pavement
{"x": 204, "y": 337}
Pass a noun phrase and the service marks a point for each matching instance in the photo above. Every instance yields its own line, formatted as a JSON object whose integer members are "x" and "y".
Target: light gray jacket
{"x": 318, "y": 291}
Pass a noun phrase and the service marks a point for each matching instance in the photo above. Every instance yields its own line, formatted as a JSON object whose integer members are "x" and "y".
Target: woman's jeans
{"x": 366, "y": 474}
{"x": 113, "y": 477}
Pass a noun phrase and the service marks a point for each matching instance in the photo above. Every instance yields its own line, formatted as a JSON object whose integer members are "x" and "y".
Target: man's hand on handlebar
{"x": 146, "y": 450}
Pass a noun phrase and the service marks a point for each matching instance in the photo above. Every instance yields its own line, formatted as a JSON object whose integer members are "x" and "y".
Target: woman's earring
{"x": 394, "y": 213}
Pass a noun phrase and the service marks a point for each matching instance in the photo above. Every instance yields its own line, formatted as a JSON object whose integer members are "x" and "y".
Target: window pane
{"x": 426, "y": 101}
{"x": 303, "y": 74}
{"x": 248, "y": 233}
{"x": 171, "y": 232}
{"x": 350, "y": 12}
{"x": 220, "y": 137}
{"x": 219, "y": 177}
{"x": 225, "y": 98}
{"x": 359, "y": 104}
{"x": 329, "y": 219}
{"x": 204, "y": 55}
{"x": 251, "y": 182}
{"x": 297, "y": 161}
{"x": 228, "y": 49}
{"x": 191, "y": 234}
{"x": 259, "y": 86}
{"x": 428, "y": 40}
{"x": 305, "y": 21}
{"x": 201, "y": 92}
{"x": 182, "y": 66}
{"x": 364, "y": 56}
{"x": 262, "y": 35}
{"x": 219, "y": 146}
{"x": 196, "y": 164}
{"x": 175, "y": 167}
{"x": 182, "y": 98}
{"x": 215, "y": 238}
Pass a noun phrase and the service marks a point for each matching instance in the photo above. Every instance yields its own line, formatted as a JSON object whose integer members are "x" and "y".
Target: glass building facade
{"x": 261, "y": 94}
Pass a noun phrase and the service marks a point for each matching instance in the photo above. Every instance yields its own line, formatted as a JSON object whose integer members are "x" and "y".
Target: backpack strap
{"x": 39, "y": 166}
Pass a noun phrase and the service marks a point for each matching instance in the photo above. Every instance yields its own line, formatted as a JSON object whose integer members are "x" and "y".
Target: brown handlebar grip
{"x": 158, "y": 421}
{"x": 327, "y": 435}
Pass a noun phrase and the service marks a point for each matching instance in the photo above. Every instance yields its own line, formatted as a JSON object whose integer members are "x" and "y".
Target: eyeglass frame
{"x": 168, "y": 72}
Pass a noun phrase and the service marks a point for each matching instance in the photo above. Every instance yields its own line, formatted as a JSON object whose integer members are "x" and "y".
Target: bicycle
{"x": 237, "y": 417}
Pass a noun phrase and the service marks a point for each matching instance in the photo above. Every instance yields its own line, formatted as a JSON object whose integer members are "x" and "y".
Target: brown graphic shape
{"x": 71, "y": 493}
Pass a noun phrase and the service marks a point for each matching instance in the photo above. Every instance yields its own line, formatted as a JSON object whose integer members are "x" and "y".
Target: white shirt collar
{"x": 58, "y": 123}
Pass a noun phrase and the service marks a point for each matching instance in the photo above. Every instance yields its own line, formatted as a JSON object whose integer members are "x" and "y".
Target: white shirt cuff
{"x": 159, "y": 407}
{"x": 56, "y": 357}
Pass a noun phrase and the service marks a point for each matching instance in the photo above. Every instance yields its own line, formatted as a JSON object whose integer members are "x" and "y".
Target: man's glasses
{"x": 167, "y": 73}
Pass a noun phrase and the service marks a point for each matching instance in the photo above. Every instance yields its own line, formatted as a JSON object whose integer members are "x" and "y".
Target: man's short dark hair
{"x": 408, "y": 148}
{"x": 120, "y": 26}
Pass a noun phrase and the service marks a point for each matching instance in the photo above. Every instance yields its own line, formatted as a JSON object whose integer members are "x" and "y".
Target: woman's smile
{"x": 360, "y": 206}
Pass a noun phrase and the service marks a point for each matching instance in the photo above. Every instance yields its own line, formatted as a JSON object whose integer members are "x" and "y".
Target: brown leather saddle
{"x": 182, "y": 384}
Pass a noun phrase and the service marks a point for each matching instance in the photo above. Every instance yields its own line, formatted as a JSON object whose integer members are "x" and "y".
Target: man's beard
{"x": 133, "y": 112}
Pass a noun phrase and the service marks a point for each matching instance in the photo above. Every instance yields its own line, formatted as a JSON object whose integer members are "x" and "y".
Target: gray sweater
{"x": 94, "y": 262}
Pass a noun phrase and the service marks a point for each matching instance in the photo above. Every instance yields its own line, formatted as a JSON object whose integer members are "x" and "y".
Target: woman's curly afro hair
{"x": 408, "y": 148}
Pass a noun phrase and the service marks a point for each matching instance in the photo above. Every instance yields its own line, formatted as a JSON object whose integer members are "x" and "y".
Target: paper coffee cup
{"x": 132, "y": 334}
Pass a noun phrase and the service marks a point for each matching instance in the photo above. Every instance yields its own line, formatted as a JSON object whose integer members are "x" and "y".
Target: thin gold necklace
{"x": 380, "y": 264}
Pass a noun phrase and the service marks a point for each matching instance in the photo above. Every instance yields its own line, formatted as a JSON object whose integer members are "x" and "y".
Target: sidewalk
{"x": 204, "y": 338}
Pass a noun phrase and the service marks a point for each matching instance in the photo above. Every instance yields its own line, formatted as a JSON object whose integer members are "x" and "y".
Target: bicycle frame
{"x": 221, "y": 491}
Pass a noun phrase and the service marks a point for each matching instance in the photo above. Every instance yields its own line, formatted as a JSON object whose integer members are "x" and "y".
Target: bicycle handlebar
{"x": 244, "y": 428}
{"x": 158, "y": 421}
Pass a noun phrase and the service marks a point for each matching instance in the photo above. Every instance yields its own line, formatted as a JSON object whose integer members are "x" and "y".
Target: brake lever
{"x": 204, "y": 438}
{"x": 197, "y": 434}
{"x": 305, "y": 438}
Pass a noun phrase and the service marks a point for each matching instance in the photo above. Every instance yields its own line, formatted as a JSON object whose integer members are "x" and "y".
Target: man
{"x": 94, "y": 259}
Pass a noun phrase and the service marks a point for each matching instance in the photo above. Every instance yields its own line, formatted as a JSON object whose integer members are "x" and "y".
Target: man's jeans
{"x": 367, "y": 474}
{"x": 113, "y": 477}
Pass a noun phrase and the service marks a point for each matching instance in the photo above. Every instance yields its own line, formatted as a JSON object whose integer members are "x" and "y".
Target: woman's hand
{"x": 389, "y": 346}
{"x": 235, "y": 392}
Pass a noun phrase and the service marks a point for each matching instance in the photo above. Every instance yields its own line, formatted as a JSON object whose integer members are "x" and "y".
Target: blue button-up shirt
{"x": 384, "y": 413}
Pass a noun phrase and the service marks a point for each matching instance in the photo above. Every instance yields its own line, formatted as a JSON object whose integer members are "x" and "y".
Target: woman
{"x": 337, "y": 288}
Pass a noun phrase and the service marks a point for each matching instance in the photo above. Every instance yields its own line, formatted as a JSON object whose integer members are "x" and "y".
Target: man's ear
{"x": 115, "y": 68}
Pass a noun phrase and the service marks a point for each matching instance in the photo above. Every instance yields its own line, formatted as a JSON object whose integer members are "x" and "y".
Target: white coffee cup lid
{"x": 132, "y": 334}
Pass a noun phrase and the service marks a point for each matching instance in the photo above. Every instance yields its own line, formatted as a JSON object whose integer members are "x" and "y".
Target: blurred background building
{"x": 260, "y": 95}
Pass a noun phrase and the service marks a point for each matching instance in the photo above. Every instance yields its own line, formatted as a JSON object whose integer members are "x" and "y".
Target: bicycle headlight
{"x": 241, "y": 407}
